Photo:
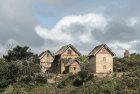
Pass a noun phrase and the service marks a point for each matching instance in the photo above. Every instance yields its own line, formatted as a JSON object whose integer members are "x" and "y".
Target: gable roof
{"x": 71, "y": 62}
{"x": 64, "y": 48}
{"x": 98, "y": 48}
{"x": 44, "y": 53}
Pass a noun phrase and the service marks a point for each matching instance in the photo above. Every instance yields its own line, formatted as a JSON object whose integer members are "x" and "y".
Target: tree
{"x": 9, "y": 71}
{"x": 21, "y": 53}
{"x": 84, "y": 76}
{"x": 83, "y": 61}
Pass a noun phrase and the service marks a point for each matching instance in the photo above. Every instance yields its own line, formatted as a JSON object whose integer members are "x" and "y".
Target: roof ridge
{"x": 41, "y": 55}
{"x": 98, "y": 48}
{"x": 64, "y": 48}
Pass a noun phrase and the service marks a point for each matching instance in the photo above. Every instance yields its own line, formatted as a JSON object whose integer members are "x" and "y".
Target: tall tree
{"x": 28, "y": 60}
{"x": 21, "y": 53}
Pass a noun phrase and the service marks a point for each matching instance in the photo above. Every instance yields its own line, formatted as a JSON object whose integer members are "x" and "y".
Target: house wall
{"x": 74, "y": 68}
{"x": 47, "y": 58}
{"x": 104, "y": 66}
{"x": 62, "y": 67}
{"x": 91, "y": 67}
{"x": 46, "y": 62}
{"x": 65, "y": 55}
{"x": 73, "y": 55}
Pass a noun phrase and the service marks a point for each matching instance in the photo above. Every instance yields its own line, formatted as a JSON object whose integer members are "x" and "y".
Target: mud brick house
{"x": 100, "y": 59}
{"x": 65, "y": 60}
{"x": 46, "y": 59}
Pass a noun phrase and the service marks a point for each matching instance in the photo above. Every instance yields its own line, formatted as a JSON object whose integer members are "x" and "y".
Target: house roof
{"x": 98, "y": 48}
{"x": 70, "y": 62}
{"x": 64, "y": 48}
{"x": 44, "y": 53}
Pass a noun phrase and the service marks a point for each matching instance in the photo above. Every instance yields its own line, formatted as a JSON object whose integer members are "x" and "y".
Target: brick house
{"x": 46, "y": 58}
{"x": 65, "y": 60}
{"x": 100, "y": 59}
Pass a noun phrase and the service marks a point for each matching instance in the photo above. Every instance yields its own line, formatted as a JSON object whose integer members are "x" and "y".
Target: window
{"x": 47, "y": 55}
{"x": 104, "y": 59}
{"x": 74, "y": 68}
{"x": 104, "y": 67}
{"x": 69, "y": 52}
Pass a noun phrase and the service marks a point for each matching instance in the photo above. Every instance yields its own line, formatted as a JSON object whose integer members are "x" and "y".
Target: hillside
{"x": 20, "y": 76}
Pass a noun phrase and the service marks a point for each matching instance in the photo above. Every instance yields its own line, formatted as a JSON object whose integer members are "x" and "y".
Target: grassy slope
{"x": 127, "y": 84}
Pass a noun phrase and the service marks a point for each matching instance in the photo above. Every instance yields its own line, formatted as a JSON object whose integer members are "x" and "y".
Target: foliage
{"x": 15, "y": 89}
{"x": 21, "y": 76}
{"x": 82, "y": 77}
{"x": 8, "y": 73}
{"x": 127, "y": 64}
{"x": 83, "y": 61}
{"x": 65, "y": 82}
{"x": 40, "y": 79}
{"x": 21, "y": 53}
{"x": 27, "y": 79}
{"x": 19, "y": 66}
{"x": 129, "y": 83}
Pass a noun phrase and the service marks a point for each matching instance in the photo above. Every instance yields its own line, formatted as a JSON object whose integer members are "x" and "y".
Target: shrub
{"x": 64, "y": 82}
{"x": 77, "y": 82}
{"x": 9, "y": 71}
{"x": 84, "y": 76}
{"x": 40, "y": 79}
{"x": 27, "y": 79}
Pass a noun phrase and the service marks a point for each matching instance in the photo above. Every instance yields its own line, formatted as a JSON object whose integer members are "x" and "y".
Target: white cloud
{"x": 18, "y": 19}
{"x": 50, "y": 34}
{"x": 65, "y": 30}
{"x": 132, "y": 21}
{"x": 120, "y": 47}
{"x": 85, "y": 38}
{"x": 82, "y": 30}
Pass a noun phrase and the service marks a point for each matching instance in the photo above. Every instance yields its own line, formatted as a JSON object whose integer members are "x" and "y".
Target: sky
{"x": 50, "y": 24}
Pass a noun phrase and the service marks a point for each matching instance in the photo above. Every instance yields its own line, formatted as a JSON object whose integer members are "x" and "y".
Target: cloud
{"x": 82, "y": 23}
{"x": 72, "y": 28}
{"x": 54, "y": 1}
{"x": 17, "y": 22}
{"x": 132, "y": 21}
{"x": 91, "y": 29}
{"x": 120, "y": 47}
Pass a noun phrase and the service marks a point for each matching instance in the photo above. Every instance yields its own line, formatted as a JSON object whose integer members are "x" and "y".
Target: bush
{"x": 64, "y": 83}
{"x": 27, "y": 79}
{"x": 9, "y": 72}
{"x": 84, "y": 76}
{"x": 77, "y": 82}
{"x": 40, "y": 79}
{"x": 15, "y": 89}
{"x": 4, "y": 83}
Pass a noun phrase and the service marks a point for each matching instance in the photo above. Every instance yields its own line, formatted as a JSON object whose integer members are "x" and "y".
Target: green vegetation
{"x": 21, "y": 53}
{"x": 20, "y": 74}
{"x": 128, "y": 83}
{"x": 19, "y": 70}
{"x": 83, "y": 61}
